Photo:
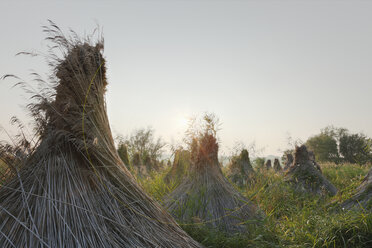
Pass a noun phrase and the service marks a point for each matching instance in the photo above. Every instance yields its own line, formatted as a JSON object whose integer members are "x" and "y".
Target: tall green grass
{"x": 292, "y": 219}
{"x": 346, "y": 177}
{"x": 155, "y": 184}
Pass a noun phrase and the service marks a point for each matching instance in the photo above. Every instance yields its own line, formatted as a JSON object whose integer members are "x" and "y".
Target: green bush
{"x": 324, "y": 148}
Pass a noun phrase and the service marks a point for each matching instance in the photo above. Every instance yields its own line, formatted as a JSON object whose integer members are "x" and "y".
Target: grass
{"x": 346, "y": 177}
{"x": 155, "y": 186}
{"x": 292, "y": 219}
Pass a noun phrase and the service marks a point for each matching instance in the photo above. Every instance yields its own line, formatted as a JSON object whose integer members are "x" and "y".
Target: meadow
{"x": 293, "y": 219}
{"x": 72, "y": 188}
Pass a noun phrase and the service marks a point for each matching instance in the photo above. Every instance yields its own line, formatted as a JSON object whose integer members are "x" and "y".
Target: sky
{"x": 269, "y": 69}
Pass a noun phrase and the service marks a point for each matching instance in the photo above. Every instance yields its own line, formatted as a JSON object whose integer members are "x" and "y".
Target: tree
{"x": 324, "y": 147}
{"x": 336, "y": 133}
{"x": 143, "y": 148}
{"x": 355, "y": 148}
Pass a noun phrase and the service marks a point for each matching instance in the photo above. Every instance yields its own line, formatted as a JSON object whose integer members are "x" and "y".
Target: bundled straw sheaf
{"x": 206, "y": 196}
{"x": 73, "y": 190}
{"x": 277, "y": 167}
{"x": 180, "y": 166}
{"x": 288, "y": 161}
{"x": 305, "y": 176}
{"x": 268, "y": 164}
{"x": 240, "y": 170}
{"x": 362, "y": 199}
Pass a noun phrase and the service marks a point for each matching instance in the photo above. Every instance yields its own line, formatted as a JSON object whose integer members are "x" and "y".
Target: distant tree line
{"x": 339, "y": 145}
{"x": 332, "y": 144}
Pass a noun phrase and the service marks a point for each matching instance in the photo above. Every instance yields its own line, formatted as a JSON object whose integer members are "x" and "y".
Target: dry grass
{"x": 73, "y": 189}
{"x": 180, "y": 167}
{"x": 305, "y": 175}
{"x": 240, "y": 170}
{"x": 277, "y": 166}
{"x": 288, "y": 161}
{"x": 206, "y": 197}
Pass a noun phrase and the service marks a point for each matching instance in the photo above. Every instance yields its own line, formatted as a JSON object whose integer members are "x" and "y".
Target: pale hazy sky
{"x": 266, "y": 68}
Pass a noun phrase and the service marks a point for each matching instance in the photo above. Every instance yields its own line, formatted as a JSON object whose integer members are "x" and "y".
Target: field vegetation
{"x": 76, "y": 187}
{"x": 293, "y": 219}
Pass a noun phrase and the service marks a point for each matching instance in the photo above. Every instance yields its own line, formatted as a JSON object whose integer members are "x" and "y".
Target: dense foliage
{"x": 339, "y": 145}
{"x": 324, "y": 147}
{"x": 355, "y": 148}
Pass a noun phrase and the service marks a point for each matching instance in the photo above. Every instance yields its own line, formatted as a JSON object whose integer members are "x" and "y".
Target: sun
{"x": 183, "y": 121}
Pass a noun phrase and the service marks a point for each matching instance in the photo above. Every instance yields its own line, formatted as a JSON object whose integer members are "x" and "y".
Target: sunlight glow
{"x": 182, "y": 121}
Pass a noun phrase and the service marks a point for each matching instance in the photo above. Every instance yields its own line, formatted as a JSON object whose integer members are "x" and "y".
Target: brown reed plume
{"x": 205, "y": 195}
